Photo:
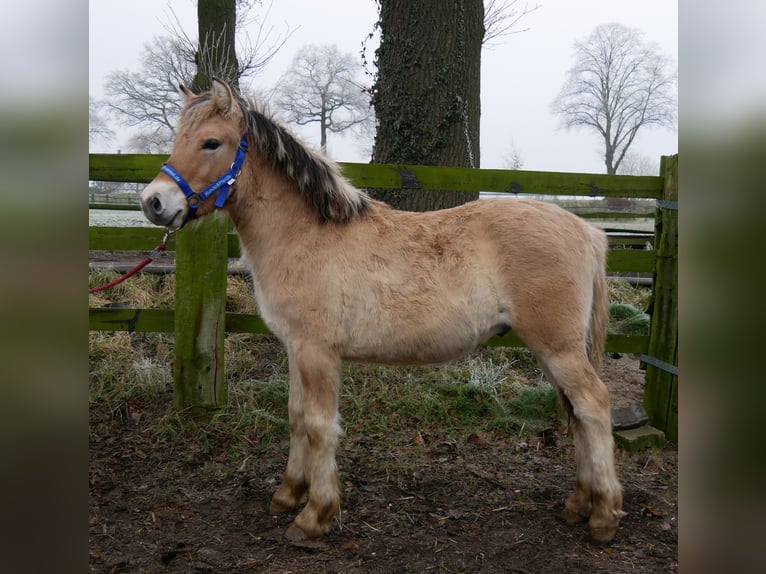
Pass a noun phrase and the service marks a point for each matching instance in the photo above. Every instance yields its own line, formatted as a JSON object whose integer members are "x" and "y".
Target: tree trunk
{"x": 427, "y": 94}
{"x": 201, "y": 249}
{"x": 217, "y": 55}
{"x": 611, "y": 169}
{"x": 323, "y": 129}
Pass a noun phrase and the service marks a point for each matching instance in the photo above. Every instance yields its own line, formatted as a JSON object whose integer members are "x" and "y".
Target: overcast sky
{"x": 520, "y": 76}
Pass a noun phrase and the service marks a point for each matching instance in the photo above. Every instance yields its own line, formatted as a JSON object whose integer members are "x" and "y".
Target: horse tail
{"x": 599, "y": 313}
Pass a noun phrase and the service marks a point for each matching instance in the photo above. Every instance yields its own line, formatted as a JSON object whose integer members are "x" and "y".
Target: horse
{"x": 338, "y": 276}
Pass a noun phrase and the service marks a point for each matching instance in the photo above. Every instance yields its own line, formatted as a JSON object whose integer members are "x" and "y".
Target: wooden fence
{"x": 201, "y": 279}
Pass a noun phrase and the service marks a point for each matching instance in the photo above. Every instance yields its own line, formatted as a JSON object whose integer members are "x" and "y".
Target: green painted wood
{"x": 163, "y": 321}
{"x": 626, "y": 343}
{"x": 622, "y": 260}
{"x": 133, "y": 320}
{"x": 127, "y": 167}
{"x": 614, "y": 343}
{"x": 201, "y": 274}
{"x": 621, "y": 215}
{"x": 233, "y": 247}
{"x": 661, "y": 388}
{"x": 115, "y": 206}
{"x": 143, "y": 239}
{"x": 629, "y": 240}
{"x": 143, "y": 168}
{"x": 244, "y": 323}
{"x": 147, "y": 238}
{"x": 510, "y": 339}
{"x": 500, "y": 180}
{"x": 127, "y": 238}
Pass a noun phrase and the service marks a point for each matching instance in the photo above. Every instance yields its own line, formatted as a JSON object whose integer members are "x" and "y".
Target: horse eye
{"x": 211, "y": 144}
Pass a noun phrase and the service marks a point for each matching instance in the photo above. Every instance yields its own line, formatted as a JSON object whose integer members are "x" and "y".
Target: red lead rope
{"x": 159, "y": 249}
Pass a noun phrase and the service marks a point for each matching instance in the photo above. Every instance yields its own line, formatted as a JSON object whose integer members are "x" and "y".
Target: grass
{"x": 143, "y": 290}
{"x": 628, "y": 320}
{"x": 128, "y": 368}
{"x": 620, "y": 291}
{"x": 534, "y": 408}
{"x": 496, "y": 392}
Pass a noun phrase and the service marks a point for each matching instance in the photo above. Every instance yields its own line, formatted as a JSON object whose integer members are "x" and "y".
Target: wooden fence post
{"x": 661, "y": 388}
{"x": 201, "y": 265}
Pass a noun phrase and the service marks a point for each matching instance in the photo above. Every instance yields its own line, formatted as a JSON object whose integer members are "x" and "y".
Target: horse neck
{"x": 268, "y": 210}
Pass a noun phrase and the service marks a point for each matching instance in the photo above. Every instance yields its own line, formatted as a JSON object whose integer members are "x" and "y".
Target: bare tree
{"x": 252, "y": 52}
{"x": 513, "y": 159}
{"x": 618, "y": 85}
{"x": 635, "y": 163}
{"x": 97, "y": 126}
{"x": 323, "y": 86}
{"x": 502, "y": 17}
{"x": 150, "y": 141}
{"x": 148, "y": 99}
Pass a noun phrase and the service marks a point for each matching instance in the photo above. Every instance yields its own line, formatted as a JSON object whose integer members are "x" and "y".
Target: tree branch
{"x": 617, "y": 86}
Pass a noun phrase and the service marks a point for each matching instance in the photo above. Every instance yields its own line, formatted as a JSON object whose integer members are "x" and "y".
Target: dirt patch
{"x": 624, "y": 378}
{"x": 161, "y": 503}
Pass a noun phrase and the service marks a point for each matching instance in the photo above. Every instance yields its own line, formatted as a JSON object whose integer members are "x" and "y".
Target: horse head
{"x": 207, "y": 156}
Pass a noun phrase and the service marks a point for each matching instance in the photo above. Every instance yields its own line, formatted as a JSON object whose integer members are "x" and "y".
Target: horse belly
{"x": 419, "y": 340}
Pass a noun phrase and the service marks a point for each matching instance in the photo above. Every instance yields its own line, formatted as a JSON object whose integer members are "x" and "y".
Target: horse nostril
{"x": 156, "y": 205}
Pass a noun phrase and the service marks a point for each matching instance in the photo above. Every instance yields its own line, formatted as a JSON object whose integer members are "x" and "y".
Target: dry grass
{"x": 620, "y": 291}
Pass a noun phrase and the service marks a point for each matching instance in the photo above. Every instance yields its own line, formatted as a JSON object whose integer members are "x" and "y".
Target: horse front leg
{"x": 295, "y": 483}
{"x": 319, "y": 375}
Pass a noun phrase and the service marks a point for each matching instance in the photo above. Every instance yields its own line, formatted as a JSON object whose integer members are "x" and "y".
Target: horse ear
{"x": 186, "y": 94}
{"x": 223, "y": 97}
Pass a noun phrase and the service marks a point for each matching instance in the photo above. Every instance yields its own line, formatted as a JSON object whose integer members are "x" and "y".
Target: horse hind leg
{"x": 578, "y": 506}
{"x": 295, "y": 483}
{"x": 598, "y": 495}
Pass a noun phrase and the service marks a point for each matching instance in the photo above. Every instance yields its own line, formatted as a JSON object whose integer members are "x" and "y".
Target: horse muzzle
{"x": 164, "y": 205}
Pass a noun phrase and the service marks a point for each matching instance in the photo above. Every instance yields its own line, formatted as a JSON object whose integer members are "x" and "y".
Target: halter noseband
{"x": 222, "y": 185}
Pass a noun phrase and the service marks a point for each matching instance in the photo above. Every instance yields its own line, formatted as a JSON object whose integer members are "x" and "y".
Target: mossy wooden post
{"x": 201, "y": 261}
{"x": 661, "y": 389}
{"x": 201, "y": 253}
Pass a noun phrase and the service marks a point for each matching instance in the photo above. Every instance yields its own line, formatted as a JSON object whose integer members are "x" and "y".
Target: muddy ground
{"x": 162, "y": 503}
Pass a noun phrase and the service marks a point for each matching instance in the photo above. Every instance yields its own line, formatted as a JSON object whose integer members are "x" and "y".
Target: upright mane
{"x": 316, "y": 177}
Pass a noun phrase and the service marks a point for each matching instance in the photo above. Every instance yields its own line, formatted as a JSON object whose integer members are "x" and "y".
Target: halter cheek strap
{"x": 222, "y": 185}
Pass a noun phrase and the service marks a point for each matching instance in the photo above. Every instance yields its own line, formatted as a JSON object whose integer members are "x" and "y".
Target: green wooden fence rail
{"x": 143, "y": 168}
{"x": 147, "y": 238}
{"x": 199, "y": 377}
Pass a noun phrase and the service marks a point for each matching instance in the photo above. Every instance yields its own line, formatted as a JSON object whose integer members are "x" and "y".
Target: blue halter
{"x": 222, "y": 185}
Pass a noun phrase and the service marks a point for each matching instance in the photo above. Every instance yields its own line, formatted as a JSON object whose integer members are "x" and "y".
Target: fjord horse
{"x": 339, "y": 276}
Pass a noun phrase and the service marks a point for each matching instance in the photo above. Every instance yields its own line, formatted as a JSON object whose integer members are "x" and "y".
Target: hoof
{"x": 282, "y": 504}
{"x": 278, "y": 508}
{"x": 603, "y": 534}
{"x": 288, "y": 496}
{"x": 572, "y": 517}
{"x": 295, "y": 533}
